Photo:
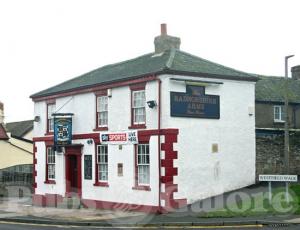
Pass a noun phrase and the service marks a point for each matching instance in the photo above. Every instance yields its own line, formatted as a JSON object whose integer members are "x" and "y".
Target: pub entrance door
{"x": 73, "y": 170}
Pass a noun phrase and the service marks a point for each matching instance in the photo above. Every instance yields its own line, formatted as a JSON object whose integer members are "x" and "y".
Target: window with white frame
{"x": 102, "y": 111}
{"x": 50, "y": 163}
{"x": 102, "y": 161}
{"x": 279, "y": 114}
{"x": 50, "y": 119}
{"x": 138, "y": 107}
{"x": 143, "y": 164}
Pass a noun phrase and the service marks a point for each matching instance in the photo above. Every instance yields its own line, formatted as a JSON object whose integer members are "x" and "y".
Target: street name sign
{"x": 282, "y": 178}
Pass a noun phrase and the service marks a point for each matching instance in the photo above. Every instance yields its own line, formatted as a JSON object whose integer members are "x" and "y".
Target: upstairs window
{"x": 102, "y": 163}
{"x": 50, "y": 163}
{"x": 102, "y": 111}
{"x": 279, "y": 114}
{"x": 143, "y": 164}
{"x": 50, "y": 119}
{"x": 138, "y": 107}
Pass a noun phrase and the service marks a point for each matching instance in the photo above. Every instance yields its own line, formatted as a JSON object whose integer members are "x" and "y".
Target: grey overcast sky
{"x": 43, "y": 43}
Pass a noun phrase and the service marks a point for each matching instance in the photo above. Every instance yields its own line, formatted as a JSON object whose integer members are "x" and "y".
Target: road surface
{"x": 21, "y": 226}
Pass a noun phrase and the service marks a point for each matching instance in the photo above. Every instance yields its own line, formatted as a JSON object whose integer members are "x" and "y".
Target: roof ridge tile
{"x": 171, "y": 58}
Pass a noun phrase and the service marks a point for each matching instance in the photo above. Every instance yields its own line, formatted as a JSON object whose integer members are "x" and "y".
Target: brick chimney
{"x": 296, "y": 72}
{"x": 1, "y": 113}
{"x": 164, "y": 41}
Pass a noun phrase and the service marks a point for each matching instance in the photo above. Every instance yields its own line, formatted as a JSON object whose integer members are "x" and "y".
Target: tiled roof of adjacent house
{"x": 19, "y": 128}
{"x": 3, "y": 135}
{"x": 172, "y": 61}
{"x": 271, "y": 89}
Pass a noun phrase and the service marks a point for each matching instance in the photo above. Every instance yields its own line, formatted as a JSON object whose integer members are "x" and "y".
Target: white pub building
{"x": 153, "y": 133}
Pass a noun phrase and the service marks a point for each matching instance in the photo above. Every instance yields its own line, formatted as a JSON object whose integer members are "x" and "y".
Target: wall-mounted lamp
{"x": 109, "y": 92}
{"x": 251, "y": 110}
{"x": 37, "y": 118}
{"x": 58, "y": 149}
{"x": 89, "y": 141}
{"x": 151, "y": 104}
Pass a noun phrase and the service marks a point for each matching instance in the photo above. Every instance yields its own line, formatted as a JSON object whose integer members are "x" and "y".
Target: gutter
{"x": 147, "y": 76}
{"x": 21, "y": 139}
{"x": 19, "y": 147}
{"x": 277, "y": 129}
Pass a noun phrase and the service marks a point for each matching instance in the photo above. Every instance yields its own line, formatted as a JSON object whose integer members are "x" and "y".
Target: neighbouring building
{"x": 270, "y": 119}
{"x": 15, "y": 151}
{"x": 15, "y": 155}
{"x": 21, "y": 129}
{"x": 152, "y": 133}
{"x": 16, "y": 162}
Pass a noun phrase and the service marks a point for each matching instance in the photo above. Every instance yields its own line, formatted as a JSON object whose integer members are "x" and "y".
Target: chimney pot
{"x": 1, "y": 113}
{"x": 163, "y": 29}
{"x": 296, "y": 72}
{"x": 165, "y": 42}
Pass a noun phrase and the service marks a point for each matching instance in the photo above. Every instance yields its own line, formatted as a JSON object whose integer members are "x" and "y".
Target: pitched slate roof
{"x": 19, "y": 128}
{"x": 3, "y": 135}
{"x": 271, "y": 89}
{"x": 171, "y": 61}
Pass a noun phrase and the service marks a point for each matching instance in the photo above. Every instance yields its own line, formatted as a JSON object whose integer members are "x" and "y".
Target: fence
{"x": 19, "y": 175}
{"x": 15, "y": 178}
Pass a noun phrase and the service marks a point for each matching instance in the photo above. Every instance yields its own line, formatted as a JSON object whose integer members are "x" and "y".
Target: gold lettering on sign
{"x": 192, "y": 99}
{"x": 195, "y": 106}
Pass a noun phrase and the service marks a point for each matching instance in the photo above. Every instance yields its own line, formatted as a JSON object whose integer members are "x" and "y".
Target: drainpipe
{"x": 158, "y": 124}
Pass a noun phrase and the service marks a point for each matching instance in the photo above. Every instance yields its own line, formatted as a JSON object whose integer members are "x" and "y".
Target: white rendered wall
{"x": 119, "y": 118}
{"x": 201, "y": 173}
{"x": 42, "y": 188}
{"x": 120, "y": 187}
{"x": 84, "y": 108}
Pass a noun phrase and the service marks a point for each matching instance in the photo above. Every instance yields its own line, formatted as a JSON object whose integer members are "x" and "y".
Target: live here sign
{"x": 119, "y": 138}
{"x": 283, "y": 178}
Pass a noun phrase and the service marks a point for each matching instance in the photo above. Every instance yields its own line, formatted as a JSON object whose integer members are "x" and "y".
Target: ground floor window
{"x": 50, "y": 163}
{"x": 143, "y": 164}
{"x": 102, "y": 162}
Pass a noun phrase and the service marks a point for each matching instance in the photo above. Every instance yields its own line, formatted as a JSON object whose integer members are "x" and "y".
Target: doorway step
{"x": 70, "y": 203}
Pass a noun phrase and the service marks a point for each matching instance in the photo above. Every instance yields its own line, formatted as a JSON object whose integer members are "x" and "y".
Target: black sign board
{"x": 195, "y": 103}
{"x": 88, "y": 167}
{"x": 62, "y": 128}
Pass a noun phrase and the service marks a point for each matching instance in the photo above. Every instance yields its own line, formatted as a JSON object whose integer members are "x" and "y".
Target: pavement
{"x": 21, "y": 211}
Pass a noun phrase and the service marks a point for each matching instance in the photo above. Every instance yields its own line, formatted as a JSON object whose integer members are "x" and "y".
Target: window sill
{"x": 101, "y": 184}
{"x": 50, "y": 182}
{"x": 101, "y": 129}
{"x": 140, "y": 126}
{"x": 142, "y": 187}
{"x": 49, "y": 133}
{"x": 279, "y": 121}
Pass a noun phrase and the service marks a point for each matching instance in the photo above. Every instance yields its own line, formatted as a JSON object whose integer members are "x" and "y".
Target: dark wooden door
{"x": 73, "y": 173}
{"x": 73, "y": 170}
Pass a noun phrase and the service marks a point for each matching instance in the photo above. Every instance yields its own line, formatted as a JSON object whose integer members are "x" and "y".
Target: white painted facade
{"x": 201, "y": 173}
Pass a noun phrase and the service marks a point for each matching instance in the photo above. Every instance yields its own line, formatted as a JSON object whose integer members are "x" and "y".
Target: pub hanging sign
{"x": 62, "y": 129}
{"x": 195, "y": 103}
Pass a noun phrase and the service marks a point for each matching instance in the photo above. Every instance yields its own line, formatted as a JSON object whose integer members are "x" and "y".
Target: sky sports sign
{"x": 119, "y": 138}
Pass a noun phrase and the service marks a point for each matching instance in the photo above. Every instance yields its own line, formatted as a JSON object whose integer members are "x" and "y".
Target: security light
{"x": 151, "y": 104}
{"x": 37, "y": 118}
{"x": 89, "y": 141}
